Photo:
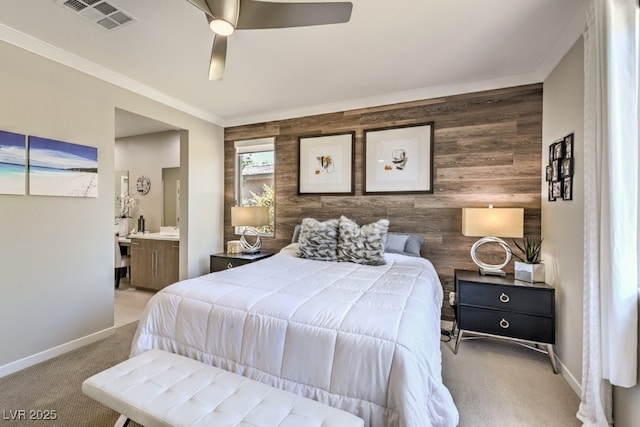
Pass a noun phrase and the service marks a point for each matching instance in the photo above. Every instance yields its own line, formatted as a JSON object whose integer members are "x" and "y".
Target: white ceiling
{"x": 390, "y": 51}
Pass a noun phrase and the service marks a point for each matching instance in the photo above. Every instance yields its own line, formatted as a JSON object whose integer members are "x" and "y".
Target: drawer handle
{"x": 504, "y": 298}
{"x": 229, "y": 265}
{"x": 504, "y": 324}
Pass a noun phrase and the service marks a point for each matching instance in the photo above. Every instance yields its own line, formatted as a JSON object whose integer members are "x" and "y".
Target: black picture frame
{"x": 566, "y": 168}
{"x": 558, "y": 150}
{"x": 556, "y": 189}
{"x": 567, "y": 188}
{"x": 568, "y": 146}
{"x": 555, "y": 170}
{"x": 550, "y": 192}
{"x": 549, "y": 173}
{"x": 398, "y": 159}
{"x": 326, "y": 154}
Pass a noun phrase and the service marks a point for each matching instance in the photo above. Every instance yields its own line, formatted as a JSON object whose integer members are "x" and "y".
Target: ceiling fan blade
{"x": 202, "y": 5}
{"x": 218, "y": 58}
{"x": 260, "y": 15}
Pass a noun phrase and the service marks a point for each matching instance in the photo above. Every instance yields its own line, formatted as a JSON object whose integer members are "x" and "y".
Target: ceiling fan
{"x": 226, "y": 16}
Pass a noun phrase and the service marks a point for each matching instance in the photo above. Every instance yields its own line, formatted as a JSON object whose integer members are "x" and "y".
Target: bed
{"x": 362, "y": 338}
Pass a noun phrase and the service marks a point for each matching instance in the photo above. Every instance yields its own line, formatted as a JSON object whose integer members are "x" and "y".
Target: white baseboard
{"x": 569, "y": 378}
{"x": 34, "y": 359}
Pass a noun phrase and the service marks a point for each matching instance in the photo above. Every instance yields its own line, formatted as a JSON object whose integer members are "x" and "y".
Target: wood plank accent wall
{"x": 487, "y": 150}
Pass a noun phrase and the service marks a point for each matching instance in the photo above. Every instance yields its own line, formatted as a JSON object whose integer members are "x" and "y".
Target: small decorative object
{"x": 326, "y": 164}
{"x": 123, "y": 224}
{"x": 494, "y": 223}
{"x": 234, "y": 247}
{"x": 399, "y": 159}
{"x": 143, "y": 184}
{"x": 141, "y": 228}
{"x": 559, "y": 172}
{"x": 529, "y": 268}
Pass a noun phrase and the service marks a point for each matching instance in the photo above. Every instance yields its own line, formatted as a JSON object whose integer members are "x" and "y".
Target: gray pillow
{"x": 362, "y": 245}
{"x": 296, "y": 234}
{"x": 405, "y": 244}
{"x": 318, "y": 240}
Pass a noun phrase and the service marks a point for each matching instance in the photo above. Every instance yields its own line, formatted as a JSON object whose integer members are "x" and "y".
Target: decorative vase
{"x": 529, "y": 272}
{"x": 124, "y": 227}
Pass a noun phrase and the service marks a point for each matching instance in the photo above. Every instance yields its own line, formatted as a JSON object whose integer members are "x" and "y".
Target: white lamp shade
{"x": 497, "y": 222}
{"x": 249, "y": 216}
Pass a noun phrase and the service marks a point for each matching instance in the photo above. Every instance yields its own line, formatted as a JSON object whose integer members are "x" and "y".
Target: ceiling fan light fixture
{"x": 221, "y": 27}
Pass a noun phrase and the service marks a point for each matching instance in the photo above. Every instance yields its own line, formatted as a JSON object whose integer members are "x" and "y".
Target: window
{"x": 254, "y": 177}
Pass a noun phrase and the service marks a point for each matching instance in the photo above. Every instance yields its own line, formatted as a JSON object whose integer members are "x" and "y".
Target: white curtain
{"x": 610, "y": 321}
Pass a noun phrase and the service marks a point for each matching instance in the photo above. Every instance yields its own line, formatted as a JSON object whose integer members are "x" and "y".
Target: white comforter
{"x": 361, "y": 338}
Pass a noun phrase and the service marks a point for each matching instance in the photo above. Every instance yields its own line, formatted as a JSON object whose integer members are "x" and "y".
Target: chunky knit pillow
{"x": 318, "y": 240}
{"x": 362, "y": 245}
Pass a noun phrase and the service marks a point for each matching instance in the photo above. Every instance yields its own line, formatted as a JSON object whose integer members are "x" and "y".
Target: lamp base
{"x": 491, "y": 269}
{"x": 492, "y": 272}
{"x": 248, "y": 248}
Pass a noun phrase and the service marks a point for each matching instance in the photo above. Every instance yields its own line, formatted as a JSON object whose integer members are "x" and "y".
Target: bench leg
{"x": 123, "y": 421}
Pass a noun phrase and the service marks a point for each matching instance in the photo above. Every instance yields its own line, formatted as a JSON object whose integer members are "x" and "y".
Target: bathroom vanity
{"x": 154, "y": 260}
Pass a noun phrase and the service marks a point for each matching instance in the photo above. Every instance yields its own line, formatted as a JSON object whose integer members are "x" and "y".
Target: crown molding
{"x": 572, "y": 32}
{"x": 387, "y": 99}
{"x": 31, "y": 44}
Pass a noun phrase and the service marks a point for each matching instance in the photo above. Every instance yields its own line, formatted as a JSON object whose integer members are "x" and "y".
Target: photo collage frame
{"x": 559, "y": 171}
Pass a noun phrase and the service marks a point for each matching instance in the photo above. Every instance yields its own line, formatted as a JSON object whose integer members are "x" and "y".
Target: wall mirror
{"x": 171, "y": 197}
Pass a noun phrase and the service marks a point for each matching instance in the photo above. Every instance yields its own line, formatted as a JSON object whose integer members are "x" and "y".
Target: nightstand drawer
{"x": 508, "y": 324}
{"x": 520, "y": 299}
{"x": 224, "y": 261}
{"x": 219, "y": 264}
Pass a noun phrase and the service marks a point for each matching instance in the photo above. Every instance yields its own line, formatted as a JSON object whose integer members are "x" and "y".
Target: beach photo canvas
{"x": 58, "y": 168}
{"x": 12, "y": 163}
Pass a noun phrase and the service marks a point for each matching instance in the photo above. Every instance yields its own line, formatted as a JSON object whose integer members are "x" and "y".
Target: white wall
{"x": 562, "y": 221}
{"x": 56, "y": 290}
{"x": 147, "y": 155}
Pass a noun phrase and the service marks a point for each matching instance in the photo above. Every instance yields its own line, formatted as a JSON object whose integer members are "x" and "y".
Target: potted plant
{"x": 127, "y": 204}
{"x": 529, "y": 267}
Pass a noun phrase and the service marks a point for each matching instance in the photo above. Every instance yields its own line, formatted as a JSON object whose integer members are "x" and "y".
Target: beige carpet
{"x": 499, "y": 383}
{"x": 493, "y": 383}
{"x": 55, "y": 385}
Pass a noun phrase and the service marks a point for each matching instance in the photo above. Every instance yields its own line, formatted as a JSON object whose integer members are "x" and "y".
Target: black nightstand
{"x": 224, "y": 261}
{"x": 506, "y": 308}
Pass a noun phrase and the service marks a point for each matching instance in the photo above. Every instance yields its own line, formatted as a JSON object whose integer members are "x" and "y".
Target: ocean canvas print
{"x": 12, "y": 163}
{"x": 58, "y": 168}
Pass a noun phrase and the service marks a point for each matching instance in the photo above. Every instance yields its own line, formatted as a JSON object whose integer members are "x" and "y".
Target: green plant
{"x": 530, "y": 249}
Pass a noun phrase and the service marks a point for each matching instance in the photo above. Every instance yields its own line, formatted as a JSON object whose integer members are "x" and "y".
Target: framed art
{"x": 325, "y": 164}
{"x": 556, "y": 189}
{"x": 399, "y": 159}
{"x": 567, "y": 188}
{"x": 58, "y": 168}
{"x": 568, "y": 146}
{"x": 558, "y": 150}
{"x": 549, "y": 173}
{"x": 551, "y": 198}
{"x": 555, "y": 170}
{"x": 13, "y": 160}
{"x": 566, "y": 168}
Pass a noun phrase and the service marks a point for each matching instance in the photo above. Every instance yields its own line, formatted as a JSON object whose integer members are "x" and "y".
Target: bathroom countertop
{"x": 156, "y": 236}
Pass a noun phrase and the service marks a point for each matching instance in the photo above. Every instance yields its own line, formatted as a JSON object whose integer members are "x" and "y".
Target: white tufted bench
{"x": 157, "y": 388}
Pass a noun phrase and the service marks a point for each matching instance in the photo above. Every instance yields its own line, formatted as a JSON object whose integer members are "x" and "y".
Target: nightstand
{"x": 506, "y": 308}
{"x": 224, "y": 261}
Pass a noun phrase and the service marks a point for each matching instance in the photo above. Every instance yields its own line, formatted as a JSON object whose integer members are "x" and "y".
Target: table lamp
{"x": 491, "y": 224}
{"x": 249, "y": 217}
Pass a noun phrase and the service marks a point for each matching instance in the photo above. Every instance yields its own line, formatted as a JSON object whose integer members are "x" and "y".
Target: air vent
{"x": 104, "y": 14}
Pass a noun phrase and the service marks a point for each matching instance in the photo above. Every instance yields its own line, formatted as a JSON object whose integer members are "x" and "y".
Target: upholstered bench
{"x": 157, "y": 388}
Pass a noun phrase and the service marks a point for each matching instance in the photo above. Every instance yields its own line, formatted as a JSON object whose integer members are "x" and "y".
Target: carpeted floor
{"x": 493, "y": 383}
{"x": 54, "y": 387}
{"x": 496, "y": 382}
